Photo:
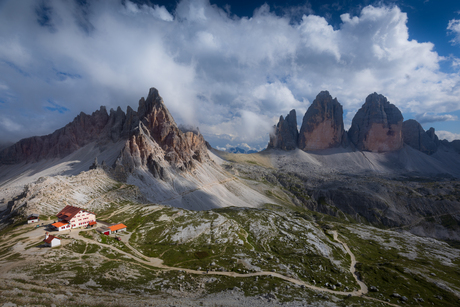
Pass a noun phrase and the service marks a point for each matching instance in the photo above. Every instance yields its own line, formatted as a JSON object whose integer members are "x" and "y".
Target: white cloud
{"x": 431, "y": 118}
{"x": 233, "y": 77}
{"x": 446, "y": 135}
{"x": 9, "y": 125}
{"x": 454, "y": 29}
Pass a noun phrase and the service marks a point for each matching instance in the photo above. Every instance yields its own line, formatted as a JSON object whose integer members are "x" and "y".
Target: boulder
{"x": 377, "y": 126}
{"x": 322, "y": 125}
{"x": 285, "y": 133}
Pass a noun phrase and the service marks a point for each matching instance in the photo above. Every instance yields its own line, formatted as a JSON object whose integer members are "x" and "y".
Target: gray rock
{"x": 373, "y": 289}
{"x": 416, "y": 137}
{"x": 377, "y": 126}
{"x": 432, "y": 135}
{"x": 285, "y": 133}
{"x": 322, "y": 125}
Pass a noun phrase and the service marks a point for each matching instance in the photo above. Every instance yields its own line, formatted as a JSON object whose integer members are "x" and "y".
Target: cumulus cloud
{"x": 230, "y": 76}
{"x": 454, "y": 28}
{"x": 446, "y": 135}
{"x": 431, "y": 118}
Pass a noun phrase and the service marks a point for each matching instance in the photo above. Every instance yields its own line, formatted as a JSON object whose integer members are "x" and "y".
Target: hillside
{"x": 232, "y": 256}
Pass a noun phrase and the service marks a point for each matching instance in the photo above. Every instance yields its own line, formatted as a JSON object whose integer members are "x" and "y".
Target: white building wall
{"x": 82, "y": 218}
{"x": 63, "y": 228}
{"x": 55, "y": 242}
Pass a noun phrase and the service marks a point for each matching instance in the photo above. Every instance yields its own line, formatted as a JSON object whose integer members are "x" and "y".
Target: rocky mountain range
{"x": 378, "y": 126}
{"x": 144, "y": 147}
{"x": 151, "y": 137}
{"x": 268, "y": 227}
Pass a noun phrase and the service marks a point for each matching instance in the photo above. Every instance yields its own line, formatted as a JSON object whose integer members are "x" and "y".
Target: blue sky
{"x": 229, "y": 67}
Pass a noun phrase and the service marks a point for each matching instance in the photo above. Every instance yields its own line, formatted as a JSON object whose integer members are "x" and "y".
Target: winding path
{"x": 158, "y": 263}
{"x": 363, "y": 287}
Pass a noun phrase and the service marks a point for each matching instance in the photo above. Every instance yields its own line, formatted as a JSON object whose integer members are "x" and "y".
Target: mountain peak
{"x": 152, "y": 120}
{"x": 377, "y": 126}
{"x": 322, "y": 125}
{"x": 285, "y": 133}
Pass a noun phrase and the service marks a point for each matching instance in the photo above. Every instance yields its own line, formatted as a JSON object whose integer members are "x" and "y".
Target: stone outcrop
{"x": 151, "y": 137}
{"x": 322, "y": 125}
{"x": 377, "y": 126}
{"x": 285, "y": 133}
{"x": 416, "y": 137}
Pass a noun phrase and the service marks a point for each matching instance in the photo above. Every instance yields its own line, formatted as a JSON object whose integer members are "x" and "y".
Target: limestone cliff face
{"x": 156, "y": 138}
{"x": 377, "y": 126}
{"x": 83, "y": 130}
{"x": 285, "y": 133}
{"x": 416, "y": 137}
{"x": 322, "y": 125}
{"x": 152, "y": 137}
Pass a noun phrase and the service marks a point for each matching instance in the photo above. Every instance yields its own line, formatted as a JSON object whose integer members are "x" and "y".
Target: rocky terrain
{"x": 274, "y": 255}
{"x": 323, "y": 217}
{"x": 382, "y": 171}
{"x": 143, "y": 147}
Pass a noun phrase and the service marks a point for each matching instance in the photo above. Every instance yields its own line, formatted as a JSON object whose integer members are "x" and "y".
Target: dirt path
{"x": 363, "y": 287}
{"x": 157, "y": 262}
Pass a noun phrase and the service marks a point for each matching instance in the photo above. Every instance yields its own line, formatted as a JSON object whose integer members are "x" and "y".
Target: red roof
{"x": 68, "y": 212}
{"x": 50, "y": 238}
{"x": 59, "y": 224}
{"x": 116, "y": 227}
{"x": 92, "y": 223}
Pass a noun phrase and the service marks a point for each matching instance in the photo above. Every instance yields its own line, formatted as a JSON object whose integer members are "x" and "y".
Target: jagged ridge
{"x": 377, "y": 127}
{"x": 149, "y": 132}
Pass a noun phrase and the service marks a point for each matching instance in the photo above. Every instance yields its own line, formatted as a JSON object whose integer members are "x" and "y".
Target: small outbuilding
{"x": 108, "y": 230}
{"x": 51, "y": 240}
{"x": 117, "y": 228}
{"x": 60, "y": 226}
{"x": 33, "y": 218}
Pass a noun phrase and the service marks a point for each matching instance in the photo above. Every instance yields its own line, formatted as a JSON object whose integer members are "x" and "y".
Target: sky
{"x": 230, "y": 68}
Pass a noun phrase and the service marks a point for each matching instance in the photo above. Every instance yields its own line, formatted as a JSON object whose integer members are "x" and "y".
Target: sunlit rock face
{"x": 416, "y": 137}
{"x": 377, "y": 126}
{"x": 156, "y": 138}
{"x": 151, "y": 134}
{"x": 285, "y": 133}
{"x": 322, "y": 125}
